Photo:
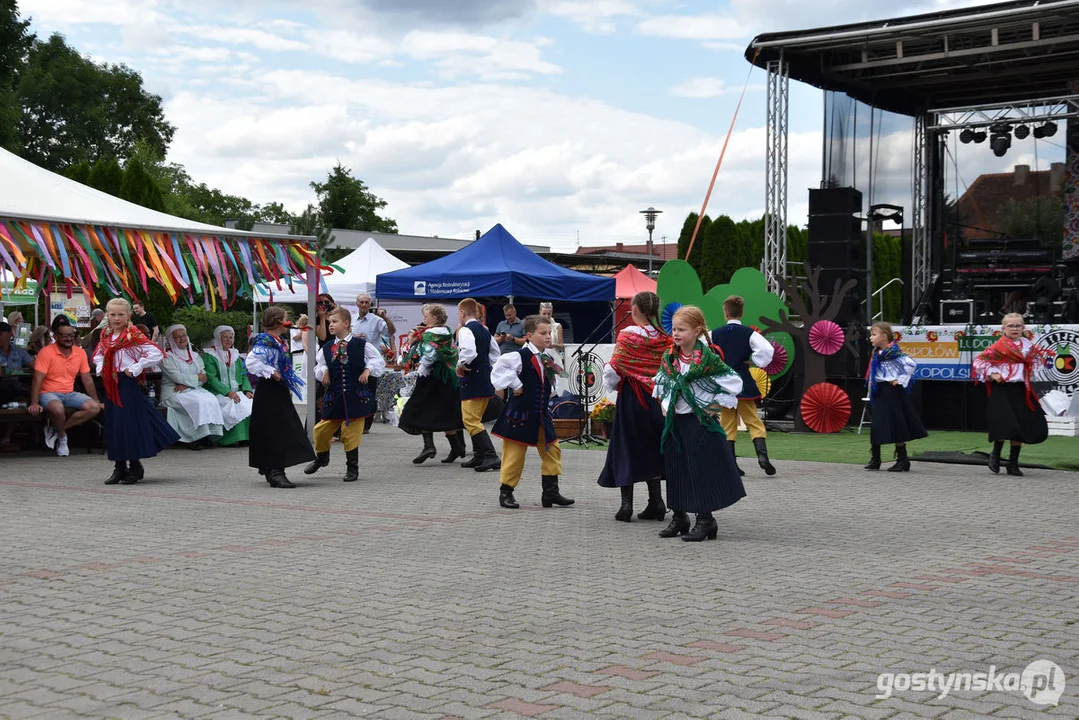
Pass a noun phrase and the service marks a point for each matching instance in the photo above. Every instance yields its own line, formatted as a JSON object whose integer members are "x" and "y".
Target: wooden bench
{"x": 91, "y": 433}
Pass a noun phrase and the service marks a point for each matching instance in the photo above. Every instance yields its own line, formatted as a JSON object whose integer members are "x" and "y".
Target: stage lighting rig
{"x": 966, "y": 136}
{"x": 1022, "y": 132}
{"x": 1000, "y": 138}
{"x": 979, "y": 136}
{"x": 1048, "y": 129}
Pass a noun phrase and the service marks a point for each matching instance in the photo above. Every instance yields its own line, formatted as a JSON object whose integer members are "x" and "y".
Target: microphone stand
{"x": 584, "y": 421}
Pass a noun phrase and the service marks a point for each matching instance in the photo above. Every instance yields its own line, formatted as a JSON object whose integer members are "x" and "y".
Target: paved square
{"x": 203, "y": 593}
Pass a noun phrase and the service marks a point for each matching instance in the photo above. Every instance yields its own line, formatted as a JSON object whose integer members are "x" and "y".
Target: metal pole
{"x": 649, "y": 252}
{"x": 869, "y": 229}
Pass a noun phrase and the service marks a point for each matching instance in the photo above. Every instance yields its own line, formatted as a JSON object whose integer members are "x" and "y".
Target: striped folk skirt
{"x": 701, "y": 473}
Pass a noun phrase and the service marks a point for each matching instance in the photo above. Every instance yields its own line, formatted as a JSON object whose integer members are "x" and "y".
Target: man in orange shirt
{"x": 53, "y": 389}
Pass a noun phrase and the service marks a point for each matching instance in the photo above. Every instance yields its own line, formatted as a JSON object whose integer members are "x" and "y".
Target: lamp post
{"x": 650, "y": 223}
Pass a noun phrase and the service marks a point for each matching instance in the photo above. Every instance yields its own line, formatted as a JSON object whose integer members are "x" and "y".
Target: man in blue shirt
{"x": 13, "y": 360}
{"x": 510, "y": 333}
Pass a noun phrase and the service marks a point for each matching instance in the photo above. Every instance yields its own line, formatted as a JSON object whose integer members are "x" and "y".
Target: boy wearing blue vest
{"x": 477, "y": 353}
{"x": 343, "y": 367}
{"x": 526, "y": 420}
{"x": 742, "y": 348}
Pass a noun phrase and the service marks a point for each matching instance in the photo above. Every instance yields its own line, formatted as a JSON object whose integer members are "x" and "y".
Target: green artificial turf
{"x": 1060, "y": 453}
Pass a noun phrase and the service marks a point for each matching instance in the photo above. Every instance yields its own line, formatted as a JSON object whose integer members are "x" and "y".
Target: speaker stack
{"x": 836, "y": 245}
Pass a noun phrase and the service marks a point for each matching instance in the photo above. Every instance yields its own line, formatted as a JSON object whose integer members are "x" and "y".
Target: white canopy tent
{"x": 358, "y": 272}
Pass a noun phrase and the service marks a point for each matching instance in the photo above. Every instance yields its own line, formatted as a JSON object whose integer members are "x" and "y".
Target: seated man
{"x": 193, "y": 413}
{"x": 13, "y": 361}
{"x": 53, "y": 389}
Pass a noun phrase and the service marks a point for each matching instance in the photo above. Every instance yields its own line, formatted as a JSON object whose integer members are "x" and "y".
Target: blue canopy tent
{"x": 497, "y": 266}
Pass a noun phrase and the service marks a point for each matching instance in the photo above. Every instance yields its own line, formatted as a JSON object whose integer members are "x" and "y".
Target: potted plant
{"x": 603, "y": 414}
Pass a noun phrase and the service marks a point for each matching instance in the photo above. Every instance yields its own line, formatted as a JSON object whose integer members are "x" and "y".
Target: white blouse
{"x": 730, "y": 386}
{"x": 611, "y": 378}
{"x": 136, "y": 359}
{"x": 428, "y": 355}
{"x": 371, "y": 357}
{"x": 1009, "y": 372}
{"x": 902, "y": 370}
{"x": 466, "y": 348}
{"x": 507, "y": 371}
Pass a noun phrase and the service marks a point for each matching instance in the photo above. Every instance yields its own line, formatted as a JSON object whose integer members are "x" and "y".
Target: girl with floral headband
{"x": 1015, "y": 414}
{"x": 693, "y": 385}
{"x": 133, "y": 427}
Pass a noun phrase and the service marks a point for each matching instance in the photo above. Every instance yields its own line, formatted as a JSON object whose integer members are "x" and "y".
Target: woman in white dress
{"x": 193, "y": 412}
{"x": 558, "y": 345}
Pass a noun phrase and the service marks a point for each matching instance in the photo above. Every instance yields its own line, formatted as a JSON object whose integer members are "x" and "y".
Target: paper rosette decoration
{"x": 668, "y": 315}
{"x": 764, "y": 383}
{"x": 825, "y": 337}
{"x": 779, "y": 359}
{"x": 825, "y": 408}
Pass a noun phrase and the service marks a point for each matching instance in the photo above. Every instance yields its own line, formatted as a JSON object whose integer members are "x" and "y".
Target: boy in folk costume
{"x": 133, "y": 427}
{"x": 744, "y": 347}
{"x": 477, "y": 353}
{"x": 193, "y": 411}
{"x": 889, "y": 380}
{"x": 278, "y": 439}
{"x": 526, "y": 420}
{"x": 693, "y": 384}
{"x": 1015, "y": 414}
{"x": 344, "y": 366}
{"x": 226, "y": 377}
{"x": 633, "y": 453}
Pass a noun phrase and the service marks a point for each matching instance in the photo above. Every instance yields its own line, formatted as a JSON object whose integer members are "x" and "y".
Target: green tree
{"x": 106, "y": 176}
{"x": 345, "y": 202}
{"x": 15, "y": 43}
{"x": 79, "y": 172}
{"x": 73, "y": 109}
{"x": 1038, "y": 217}
{"x": 684, "y": 237}
{"x": 718, "y": 251}
{"x": 139, "y": 187}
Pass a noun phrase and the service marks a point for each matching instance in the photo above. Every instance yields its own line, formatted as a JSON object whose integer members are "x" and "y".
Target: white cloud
{"x": 261, "y": 39}
{"x": 596, "y": 16}
{"x": 687, "y": 27}
{"x": 700, "y": 87}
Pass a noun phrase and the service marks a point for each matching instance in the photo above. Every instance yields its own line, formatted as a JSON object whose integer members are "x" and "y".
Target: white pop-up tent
{"x": 358, "y": 272}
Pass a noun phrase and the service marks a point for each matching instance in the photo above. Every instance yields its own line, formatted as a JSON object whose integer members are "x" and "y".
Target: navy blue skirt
{"x": 701, "y": 472}
{"x": 894, "y": 418}
{"x": 1010, "y": 418}
{"x": 633, "y": 452}
{"x": 135, "y": 429}
{"x": 276, "y": 436}
{"x": 433, "y": 406}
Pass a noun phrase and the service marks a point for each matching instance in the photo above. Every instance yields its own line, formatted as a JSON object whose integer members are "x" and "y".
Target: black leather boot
{"x": 321, "y": 460}
{"x": 505, "y": 497}
{"x": 278, "y": 479}
{"x": 1013, "y": 461}
{"x": 705, "y": 527}
{"x": 490, "y": 460}
{"x": 428, "y": 451}
{"x": 352, "y": 465}
{"x": 741, "y": 472}
{"x": 655, "y": 510}
{"x": 625, "y": 513}
{"x": 679, "y": 526}
{"x": 902, "y": 463}
{"x": 119, "y": 472}
{"x": 551, "y": 496}
{"x": 761, "y": 446}
{"x": 477, "y": 456}
{"x": 874, "y": 458}
{"x": 994, "y": 457}
{"x": 135, "y": 471}
{"x": 457, "y": 447}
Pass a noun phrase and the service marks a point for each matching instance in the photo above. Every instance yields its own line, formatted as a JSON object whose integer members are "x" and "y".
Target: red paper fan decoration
{"x": 779, "y": 359}
{"x": 825, "y": 408}
{"x": 826, "y": 337}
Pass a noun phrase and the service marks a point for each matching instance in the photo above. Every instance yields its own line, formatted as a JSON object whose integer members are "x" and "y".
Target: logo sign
{"x": 584, "y": 377}
{"x": 975, "y": 343}
{"x": 419, "y": 287}
{"x": 1063, "y": 369}
{"x": 1043, "y": 682}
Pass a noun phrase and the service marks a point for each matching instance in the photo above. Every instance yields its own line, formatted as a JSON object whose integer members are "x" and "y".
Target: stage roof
{"x": 1001, "y": 53}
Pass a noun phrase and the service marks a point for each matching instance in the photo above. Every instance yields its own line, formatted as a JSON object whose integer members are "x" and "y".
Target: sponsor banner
{"x": 945, "y": 352}
{"x": 456, "y": 288}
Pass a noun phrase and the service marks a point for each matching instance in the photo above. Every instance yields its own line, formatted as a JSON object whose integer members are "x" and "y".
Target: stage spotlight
{"x": 966, "y": 136}
{"x": 1000, "y": 144}
{"x": 979, "y": 136}
{"x": 1022, "y": 132}
{"x": 1048, "y": 129}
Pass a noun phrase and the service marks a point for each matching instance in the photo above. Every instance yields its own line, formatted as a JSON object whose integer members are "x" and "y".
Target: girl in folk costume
{"x": 226, "y": 377}
{"x": 133, "y": 427}
{"x": 694, "y": 384}
{"x": 348, "y": 366}
{"x": 277, "y": 437}
{"x": 1015, "y": 413}
{"x": 193, "y": 412}
{"x": 435, "y": 403}
{"x": 633, "y": 453}
{"x": 889, "y": 380}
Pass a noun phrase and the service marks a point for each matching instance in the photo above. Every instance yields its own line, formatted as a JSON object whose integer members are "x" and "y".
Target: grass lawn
{"x": 1061, "y": 453}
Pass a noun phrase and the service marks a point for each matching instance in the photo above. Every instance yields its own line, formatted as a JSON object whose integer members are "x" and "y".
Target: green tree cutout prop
{"x": 678, "y": 283}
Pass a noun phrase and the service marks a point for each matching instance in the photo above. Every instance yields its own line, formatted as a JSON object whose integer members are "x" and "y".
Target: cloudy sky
{"x": 558, "y": 118}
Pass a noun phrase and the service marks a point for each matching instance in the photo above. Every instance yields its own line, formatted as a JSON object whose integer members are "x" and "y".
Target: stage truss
{"x": 775, "y": 176}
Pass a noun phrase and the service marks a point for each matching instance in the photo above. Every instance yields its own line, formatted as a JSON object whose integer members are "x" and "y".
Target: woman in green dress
{"x": 226, "y": 377}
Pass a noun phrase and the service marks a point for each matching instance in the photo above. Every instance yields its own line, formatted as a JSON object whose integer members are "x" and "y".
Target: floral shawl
{"x": 890, "y": 358}
{"x": 274, "y": 353}
{"x": 705, "y": 365}
{"x": 1006, "y": 352}
{"x": 445, "y": 356}
{"x": 128, "y": 338}
{"x": 637, "y": 358}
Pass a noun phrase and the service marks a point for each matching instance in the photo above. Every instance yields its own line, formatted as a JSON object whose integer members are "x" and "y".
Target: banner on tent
{"x": 442, "y": 288}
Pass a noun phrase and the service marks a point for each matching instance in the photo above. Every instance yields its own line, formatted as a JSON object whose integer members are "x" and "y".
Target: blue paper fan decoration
{"x": 668, "y": 315}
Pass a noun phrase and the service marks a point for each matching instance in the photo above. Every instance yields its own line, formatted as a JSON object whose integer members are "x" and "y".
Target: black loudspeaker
{"x": 835, "y": 201}
{"x": 834, "y": 228}
{"x": 845, "y": 254}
